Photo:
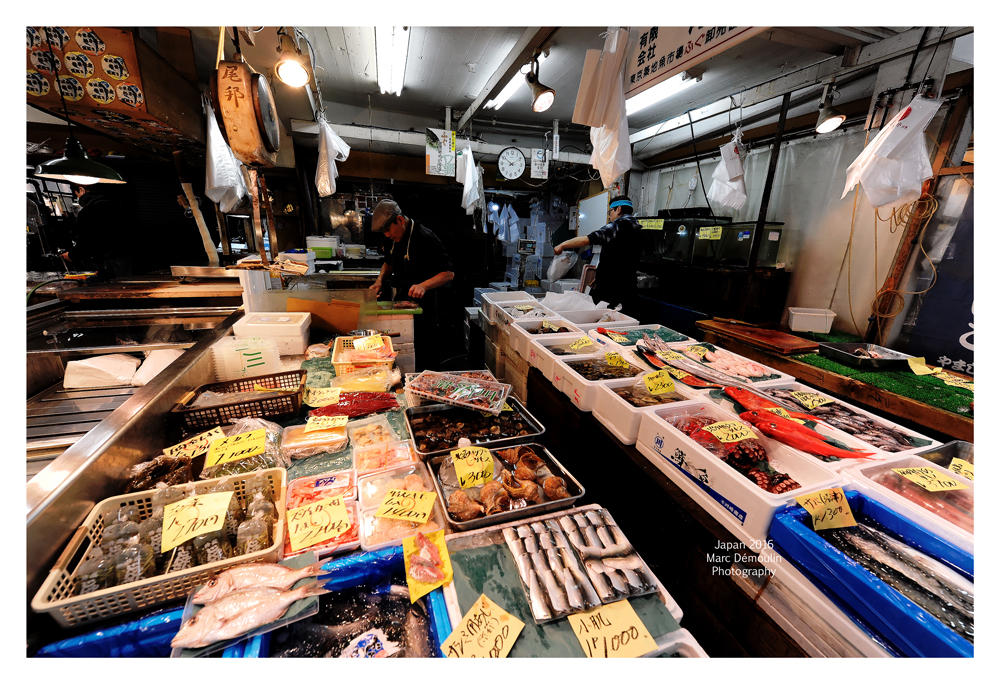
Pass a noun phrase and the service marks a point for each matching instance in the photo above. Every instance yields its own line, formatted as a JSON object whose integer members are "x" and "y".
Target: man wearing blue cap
{"x": 620, "y": 251}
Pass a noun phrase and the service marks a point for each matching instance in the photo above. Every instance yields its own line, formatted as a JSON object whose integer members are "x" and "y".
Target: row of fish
{"x": 556, "y": 581}
{"x": 933, "y": 586}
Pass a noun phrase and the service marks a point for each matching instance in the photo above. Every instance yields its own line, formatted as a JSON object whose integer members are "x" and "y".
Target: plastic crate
{"x": 810, "y": 320}
{"x": 207, "y": 417}
{"x": 56, "y": 598}
{"x": 345, "y": 367}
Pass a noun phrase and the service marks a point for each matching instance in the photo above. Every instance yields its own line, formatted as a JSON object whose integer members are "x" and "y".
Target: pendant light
{"x": 75, "y": 166}
{"x": 542, "y": 96}
{"x": 289, "y": 68}
{"x": 830, "y": 117}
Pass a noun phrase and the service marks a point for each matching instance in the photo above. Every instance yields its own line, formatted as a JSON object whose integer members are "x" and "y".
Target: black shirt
{"x": 427, "y": 258}
{"x": 620, "y": 250}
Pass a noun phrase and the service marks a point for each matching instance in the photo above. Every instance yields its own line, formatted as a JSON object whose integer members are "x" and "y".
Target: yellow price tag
{"x": 810, "y": 400}
{"x": 400, "y": 504}
{"x": 319, "y": 397}
{"x": 506, "y": 407}
{"x": 317, "y": 522}
{"x": 829, "y": 509}
{"x": 669, "y": 356}
{"x": 677, "y": 373}
{"x": 920, "y": 367}
{"x": 283, "y": 390}
{"x": 417, "y": 588}
{"x": 548, "y": 326}
{"x": 930, "y": 479}
{"x": 186, "y": 519}
{"x": 197, "y": 445}
{"x": 729, "y": 431}
{"x": 698, "y": 349}
{"x": 963, "y": 468}
{"x": 486, "y": 631}
{"x": 368, "y": 343}
{"x": 524, "y": 307}
{"x": 616, "y": 359}
{"x": 620, "y": 339}
{"x": 581, "y": 343}
{"x": 955, "y": 381}
{"x": 612, "y": 631}
{"x": 784, "y": 414}
{"x": 316, "y": 423}
{"x": 710, "y": 233}
{"x": 243, "y": 445}
{"x": 651, "y": 224}
{"x": 473, "y": 466}
{"x": 659, "y": 382}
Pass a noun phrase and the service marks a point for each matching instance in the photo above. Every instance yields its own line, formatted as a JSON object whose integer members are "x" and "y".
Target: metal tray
{"x": 557, "y": 468}
{"x": 943, "y": 454}
{"x": 492, "y": 444}
{"x": 843, "y": 352}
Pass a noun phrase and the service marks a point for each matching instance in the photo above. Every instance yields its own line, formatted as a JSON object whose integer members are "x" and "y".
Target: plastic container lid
{"x": 378, "y": 457}
{"x": 310, "y": 489}
{"x": 372, "y": 488}
{"x": 377, "y": 533}
{"x": 348, "y": 541}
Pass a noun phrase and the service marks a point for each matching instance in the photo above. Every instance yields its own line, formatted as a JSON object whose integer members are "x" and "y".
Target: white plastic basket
{"x": 810, "y": 320}
{"x": 521, "y": 337}
{"x": 620, "y": 417}
{"x": 582, "y": 392}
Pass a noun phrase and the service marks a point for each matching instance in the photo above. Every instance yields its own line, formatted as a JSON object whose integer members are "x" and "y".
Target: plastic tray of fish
{"x": 722, "y": 363}
{"x": 621, "y": 417}
{"x": 415, "y": 416}
{"x": 628, "y": 335}
{"x": 522, "y": 332}
{"x": 446, "y": 484}
{"x": 576, "y": 562}
{"x": 866, "y": 356}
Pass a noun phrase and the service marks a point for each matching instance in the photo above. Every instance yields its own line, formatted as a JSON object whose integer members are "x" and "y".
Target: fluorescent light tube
{"x": 660, "y": 91}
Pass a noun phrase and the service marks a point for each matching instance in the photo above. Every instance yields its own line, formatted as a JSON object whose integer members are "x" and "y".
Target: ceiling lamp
{"x": 512, "y": 86}
{"x": 289, "y": 68}
{"x": 660, "y": 91}
{"x": 75, "y": 166}
{"x": 391, "y": 43}
{"x": 830, "y": 117}
{"x": 542, "y": 96}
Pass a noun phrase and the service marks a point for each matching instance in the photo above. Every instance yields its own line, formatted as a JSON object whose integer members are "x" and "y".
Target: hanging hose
{"x": 36, "y": 287}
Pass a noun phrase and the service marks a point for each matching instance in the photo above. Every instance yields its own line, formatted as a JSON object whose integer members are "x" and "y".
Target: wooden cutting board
{"x": 769, "y": 340}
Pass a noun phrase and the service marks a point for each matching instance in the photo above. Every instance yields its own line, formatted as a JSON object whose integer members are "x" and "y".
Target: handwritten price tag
{"x": 659, "y": 382}
{"x": 186, "y": 519}
{"x": 920, "y": 367}
{"x": 486, "y": 631}
{"x": 548, "y": 326}
{"x": 710, "y": 233}
{"x": 784, "y": 414}
{"x": 506, "y": 407}
{"x": 315, "y": 423}
{"x": 829, "y": 509}
{"x": 581, "y": 343}
{"x": 962, "y": 467}
{"x": 368, "y": 343}
{"x": 955, "y": 381}
{"x": 286, "y": 390}
{"x": 810, "y": 400}
{"x": 400, "y": 504}
{"x": 317, "y": 522}
{"x": 669, "y": 356}
{"x": 616, "y": 359}
{"x": 318, "y": 397}
{"x": 524, "y": 307}
{"x": 930, "y": 479}
{"x": 678, "y": 373}
{"x": 730, "y": 431}
{"x": 698, "y": 349}
{"x": 620, "y": 339}
{"x": 243, "y": 445}
{"x": 612, "y": 631}
{"x": 197, "y": 445}
{"x": 473, "y": 465}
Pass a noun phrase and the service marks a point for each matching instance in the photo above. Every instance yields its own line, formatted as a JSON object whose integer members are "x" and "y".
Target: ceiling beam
{"x": 533, "y": 38}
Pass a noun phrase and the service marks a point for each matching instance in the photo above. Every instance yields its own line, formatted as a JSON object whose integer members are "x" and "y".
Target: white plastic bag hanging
{"x": 332, "y": 149}
{"x": 726, "y": 192}
{"x": 561, "y": 265}
{"x": 893, "y": 167}
{"x": 224, "y": 183}
{"x": 465, "y": 171}
{"x": 612, "y": 155}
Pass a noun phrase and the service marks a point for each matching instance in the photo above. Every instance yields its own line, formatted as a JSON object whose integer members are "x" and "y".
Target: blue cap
{"x": 621, "y": 203}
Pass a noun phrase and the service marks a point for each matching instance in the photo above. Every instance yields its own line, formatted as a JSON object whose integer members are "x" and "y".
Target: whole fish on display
{"x": 798, "y": 436}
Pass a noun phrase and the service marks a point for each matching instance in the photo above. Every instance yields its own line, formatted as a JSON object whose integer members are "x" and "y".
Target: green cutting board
{"x": 389, "y": 310}
{"x": 490, "y": 570}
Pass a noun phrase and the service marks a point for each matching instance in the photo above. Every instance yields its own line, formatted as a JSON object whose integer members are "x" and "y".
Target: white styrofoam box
{"x": 491, "y": 299}
{"x": 587, "y": 319}
{"x": 783, "y": 379}
{"x": 245, "y": 357}
{"x": 794, "y": 386}
{"x": 861, "y": 476}
{"x": 810, "y": 320}
{"x": 396, "y": 323}
{"x": 623, "y": 419}
{"x": 506, "y": 313}
{"x": 582, "y": 392}
{"x": 679, "y": 644}
{"x": 478, "y": 292}
{"x": 546, "y": 284}
{"x": 290, "y": 328}
{"x": 520, "y": 338}
{"x": 735, "y": 496}
{"x": 539, "y": 355}
{"x": 565, "y": 285}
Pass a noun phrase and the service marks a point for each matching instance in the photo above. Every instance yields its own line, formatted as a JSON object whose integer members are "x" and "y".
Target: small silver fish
{"x": 600, "y": 583}
{"x": 545, "y": 540}
{"x": 594, "y": 518}
{"x": 617, "y": 586}
{"x": 537, "y": 527}
{"x": 253, "y": 575}
{"x": 605, "y": 536}
{"x": 580, "y": 520}
{"x": 561, "y": 541}
{"x": 523, "y": 531}
{"x": 530, "y": 545}
{"x": 523, "y": 564}
{"x": 591, "y": 536}
{"x": 573, "y": 591}
{"x": 538, "y": 606}
{"x": 634, "y": 583}
{"x": 509, "y": 533}
{"x": 571, "y": 564}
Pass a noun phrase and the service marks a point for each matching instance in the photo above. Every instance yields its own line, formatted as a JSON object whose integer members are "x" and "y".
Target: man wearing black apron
{"x": 418, "y": 264}
{"x": 620, "y": 249}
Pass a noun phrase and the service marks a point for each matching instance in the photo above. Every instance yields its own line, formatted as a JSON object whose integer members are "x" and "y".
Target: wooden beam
{"x": 532, "y": 39}
{"x": 956, "y": 170}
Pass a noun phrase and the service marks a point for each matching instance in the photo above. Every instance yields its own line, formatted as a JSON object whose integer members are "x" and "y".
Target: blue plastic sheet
{"x": 906, "y": 626}
{"x": 147, "y": 637}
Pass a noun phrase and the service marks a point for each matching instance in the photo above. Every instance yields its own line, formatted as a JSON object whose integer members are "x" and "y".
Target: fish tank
{"x": 671, "y": 238}
{"x": 731, "y": 246}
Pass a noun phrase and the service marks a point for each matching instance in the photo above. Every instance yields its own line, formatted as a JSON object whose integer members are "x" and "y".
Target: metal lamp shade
{"x": 76, "y": 166}
{"x": 542, "y": 96}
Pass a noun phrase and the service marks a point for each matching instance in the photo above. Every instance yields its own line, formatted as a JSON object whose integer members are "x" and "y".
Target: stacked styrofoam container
{"x": 861, "y": 475}
{"x": 692, "y": 467}
{"x": 587, "y": 319}
{"x": 544, "y": 360}
{"x": 492, "y": 300}
{"x": 582, "y": 392}
{"x": 521, "y": 337}
{"x": 620, "y": 417}
{"x": 289, "y": 328}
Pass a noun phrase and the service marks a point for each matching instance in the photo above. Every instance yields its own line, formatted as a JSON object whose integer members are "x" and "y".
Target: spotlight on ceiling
{"x": 290, "y": 68}
{"x": 830, "y": 117}
{"x": 542, "y": 96}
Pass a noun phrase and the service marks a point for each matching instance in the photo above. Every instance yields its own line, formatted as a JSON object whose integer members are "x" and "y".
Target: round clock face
{"x": 511, "y": 163}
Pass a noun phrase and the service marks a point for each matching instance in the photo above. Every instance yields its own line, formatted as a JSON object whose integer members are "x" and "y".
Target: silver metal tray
{"x": 843, "y": 352}
{"x": 943, "y": 454}
{"x": 538, "y": 428}
{"x": 572, "y": 485}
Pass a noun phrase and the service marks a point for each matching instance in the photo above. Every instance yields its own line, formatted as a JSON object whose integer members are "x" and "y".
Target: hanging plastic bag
{"x": 599, "y": 82}
{"x": 612, "y": 155}
{"x": 561, "y": 265}
{"x": 893, "y": 167}
{"x": 224, "y": 183}
{"x": 726, "y": 192}
{"x": 465, "y": 171}
{"x": 332, "y": 149}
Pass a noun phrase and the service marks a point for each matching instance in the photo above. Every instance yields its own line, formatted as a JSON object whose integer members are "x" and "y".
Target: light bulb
{"x": 81, "y": 180}
{"x": 543, "y": 101}
{"x": 292, "y": 73}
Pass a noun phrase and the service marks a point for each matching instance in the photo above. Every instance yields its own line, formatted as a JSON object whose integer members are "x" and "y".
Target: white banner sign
{"x": 539, "y": 163}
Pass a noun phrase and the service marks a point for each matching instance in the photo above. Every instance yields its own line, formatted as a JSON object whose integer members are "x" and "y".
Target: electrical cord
{"x": 698, "y": 164}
